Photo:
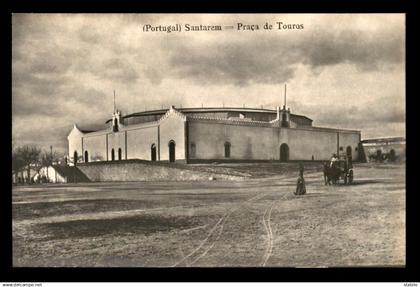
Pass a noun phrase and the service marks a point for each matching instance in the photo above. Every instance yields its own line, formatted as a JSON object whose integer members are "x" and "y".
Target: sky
{"x": 341, "y": 70}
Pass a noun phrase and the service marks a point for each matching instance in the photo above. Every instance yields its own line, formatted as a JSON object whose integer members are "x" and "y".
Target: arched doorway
{"x": 348, "y": 152}
{"x": 75, "y": 157}
{"x": 153, "y": 152}
{"x": 112, "y": 155}
{"x": 171, "y": 151}
{"x": 227, "y": 149}
{"x": 284, "y": 152}
{"x": 119, "y": 154}
{"x": 86, "y": 156}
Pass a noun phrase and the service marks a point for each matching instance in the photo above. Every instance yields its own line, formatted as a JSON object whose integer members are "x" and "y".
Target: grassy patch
{"x": 139, "y": 224}
{"x": 42, "y": 209}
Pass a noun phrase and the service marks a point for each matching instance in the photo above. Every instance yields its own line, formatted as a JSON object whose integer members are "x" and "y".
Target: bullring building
{"x": 192, "y": 135}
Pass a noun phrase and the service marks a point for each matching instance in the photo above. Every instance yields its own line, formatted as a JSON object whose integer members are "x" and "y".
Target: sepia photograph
{"x": 208, "y": 140}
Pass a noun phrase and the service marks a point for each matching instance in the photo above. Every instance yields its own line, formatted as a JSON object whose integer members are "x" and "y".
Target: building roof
{"x": 381, "y": 140}
{"x": 209, "y": 110}
{"x": 86, "y": 131}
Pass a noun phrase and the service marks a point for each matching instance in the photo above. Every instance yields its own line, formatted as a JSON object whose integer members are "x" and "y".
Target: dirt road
{"x": 256, "y": 222}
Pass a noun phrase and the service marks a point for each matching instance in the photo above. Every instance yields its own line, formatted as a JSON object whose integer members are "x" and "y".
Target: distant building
{"x": 22, "y": 175}
{"x": 53, "y": 174}
{"x": 211, "y": 134}
{"x": 389, "y": 149}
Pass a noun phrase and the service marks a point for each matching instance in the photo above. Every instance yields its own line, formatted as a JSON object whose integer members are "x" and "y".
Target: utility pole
{"x": 74, "y": 169}
{"x": 114, "y": 101}
{"x": 51, "y": 159}
{"x": 285, "y": 86}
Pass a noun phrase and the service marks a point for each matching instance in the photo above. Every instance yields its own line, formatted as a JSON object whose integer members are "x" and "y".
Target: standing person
{"x": 334, "y": 160}
{"x": 300, "y": 186}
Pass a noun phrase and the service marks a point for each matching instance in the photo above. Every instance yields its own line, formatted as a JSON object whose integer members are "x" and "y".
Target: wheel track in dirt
{"x": 267, "y": 226}
{"x": 221, "y": 226}
{"x": 217, "y": 227}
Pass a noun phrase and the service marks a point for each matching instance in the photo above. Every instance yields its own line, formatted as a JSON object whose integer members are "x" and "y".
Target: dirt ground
{"x": 253, "y": 222}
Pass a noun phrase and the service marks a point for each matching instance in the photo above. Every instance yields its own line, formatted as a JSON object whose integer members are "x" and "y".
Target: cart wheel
{"x": 351, "y": 177}
{"x": 345, "y": 178}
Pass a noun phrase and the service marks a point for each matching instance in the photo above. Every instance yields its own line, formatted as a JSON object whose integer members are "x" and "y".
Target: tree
{"x": 17, "y": 162}
{"x": 48, "y": 158}
{"x": 26, "y": 156}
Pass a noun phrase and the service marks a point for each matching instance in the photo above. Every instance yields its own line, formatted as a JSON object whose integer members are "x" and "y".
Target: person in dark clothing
{"x": 300, "y": 186}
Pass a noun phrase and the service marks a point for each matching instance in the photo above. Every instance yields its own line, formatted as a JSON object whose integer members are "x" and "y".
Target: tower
{"x": 117, "y": 120}
{"x": 284, "y": 114}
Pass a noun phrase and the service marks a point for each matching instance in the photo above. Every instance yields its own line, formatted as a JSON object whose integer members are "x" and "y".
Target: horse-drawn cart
{"x": 341, "y": 169}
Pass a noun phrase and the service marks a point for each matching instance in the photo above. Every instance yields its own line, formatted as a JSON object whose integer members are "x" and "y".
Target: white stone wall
{"x": 95, "y": 145}
{"x": 75, "y": 143}
{"x": 247, "y": 142}
{"x": 263, "y": 143}
{"x": 303, "y": 144}
{"x": 349, "y": 140}
{"x": 116, "y": 141}
{"x": 139, "y": 142}
{"x": 172, "y": 128}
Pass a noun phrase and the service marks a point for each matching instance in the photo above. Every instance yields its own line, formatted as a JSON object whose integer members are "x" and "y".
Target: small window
{"x": 284, "y": 122}
{"x": 284, "y": 117}
{"x": 227, "y": 149}
{"x": 192, "y": 153}
{"x": 112, "y": 155}
{"x": 119, "y": 154}
{"x": 115, "y": 126}
{"x": 341, "y": 148}
{"x": 86, "y": 156}
{"x": 153, "y": 152}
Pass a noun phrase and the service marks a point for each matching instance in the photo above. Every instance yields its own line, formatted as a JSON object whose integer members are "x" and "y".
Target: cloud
{"x": 376, "y": 113}
{"x": 89, "y": 35}
{"x": 50, "y": 62}
{"x": 272, "y": 59}
{"x": 365, "y": 50}
{"x": 120, "y": 70}
{"x": 106, "y": 68}
{"x": 233, "y": 63}
{"x": 155, "y": 75}
{"x": 65, "y": 67}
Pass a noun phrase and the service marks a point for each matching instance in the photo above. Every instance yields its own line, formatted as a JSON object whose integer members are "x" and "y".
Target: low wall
{"x": 146, "y": 171}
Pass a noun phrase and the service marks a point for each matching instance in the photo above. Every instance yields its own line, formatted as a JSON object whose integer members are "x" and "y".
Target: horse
{"x": 331, "y": 174}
